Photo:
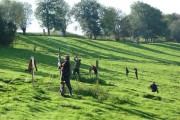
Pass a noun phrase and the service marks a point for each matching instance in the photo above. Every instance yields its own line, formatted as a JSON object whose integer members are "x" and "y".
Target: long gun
{"x": 59, "y": 59}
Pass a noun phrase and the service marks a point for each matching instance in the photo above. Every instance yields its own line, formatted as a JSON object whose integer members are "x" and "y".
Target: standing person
{"x": 65, "y": 75}
{"x": 76, "y": 66}
{"x": 136, "y": 72}
{"x": 153, "y": 87}
{"x": 95, "y": 71}
{"x": 127, "y": 71}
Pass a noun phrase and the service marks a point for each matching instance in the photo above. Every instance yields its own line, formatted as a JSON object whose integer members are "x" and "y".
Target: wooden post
{"x": 34, "y": 48}
{"x": 44, "y": 33}
{"x": 97, "y": 64}
{"x": 32, "y": 70}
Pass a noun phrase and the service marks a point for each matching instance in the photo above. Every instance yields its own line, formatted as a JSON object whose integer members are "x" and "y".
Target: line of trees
{"x": 95, "y": 20}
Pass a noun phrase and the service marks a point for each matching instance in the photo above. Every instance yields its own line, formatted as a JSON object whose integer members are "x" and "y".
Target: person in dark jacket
{"x": 76, "y": 66}
{"x": 136, "y": 72}
{"x": 65, "y": 75}
{"x": 153, "y": 87}
{"x": 95, "y": 71}
{"x": 127, "y": 71}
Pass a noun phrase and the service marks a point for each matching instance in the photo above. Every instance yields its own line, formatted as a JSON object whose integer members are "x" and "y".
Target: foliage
{"x": 87, "y": 13}
{"x": 61, "y": 16}
{"x": 114, "y": 22}
{"x": 7, "y": 32}
{"x": 146, "y": 21}
{"x": 107, "y": 19}
{"x": 12, "y": 11}
{"x": 175, "y": 30}
{"x": 170, "y": 18}
{"x": 53, "y": 14}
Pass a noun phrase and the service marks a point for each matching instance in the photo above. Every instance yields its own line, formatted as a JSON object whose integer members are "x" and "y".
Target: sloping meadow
{"x": 112, "y": 96}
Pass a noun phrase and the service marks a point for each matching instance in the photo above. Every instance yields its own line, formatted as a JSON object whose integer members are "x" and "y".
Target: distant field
{"x": 115, "y": 97}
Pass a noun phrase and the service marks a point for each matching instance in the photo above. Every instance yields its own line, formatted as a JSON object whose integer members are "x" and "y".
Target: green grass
{"x": 115, "y": 97}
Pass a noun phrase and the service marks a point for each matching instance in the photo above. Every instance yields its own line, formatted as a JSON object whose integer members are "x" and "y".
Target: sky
{"x": 165, "y": 6}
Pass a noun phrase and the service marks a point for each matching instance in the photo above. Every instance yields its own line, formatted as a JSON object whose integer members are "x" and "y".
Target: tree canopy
{"x": 87, "y": 13}
{"x": 146, "y": 21}
{"x": 53, "y": 14}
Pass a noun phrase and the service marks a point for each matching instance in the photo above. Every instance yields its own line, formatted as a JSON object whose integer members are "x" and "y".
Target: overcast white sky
{"x": 166, "y": 6}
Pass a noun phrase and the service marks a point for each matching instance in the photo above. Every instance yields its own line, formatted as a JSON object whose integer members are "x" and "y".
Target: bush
{"x": 7, "y": 32}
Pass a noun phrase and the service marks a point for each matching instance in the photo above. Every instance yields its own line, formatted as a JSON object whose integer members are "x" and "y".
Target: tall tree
{"x": 170, "y": 18}
{"x": 175, "y": 30}
{"x": 87, "y": 14}
{"x": 146, "y": 21}
{"x": 12, "y": 11}
{"x": 42, "y": 13}
{"x": 107, "y": 20}
{"x": 7, "y": 30}
{"x": 118, "y": 25}
{"x": 61, "y": 16}
{"x": 53, "y": 14}
{"x": 26, "y": 17}
{"x": 114, "y": 22}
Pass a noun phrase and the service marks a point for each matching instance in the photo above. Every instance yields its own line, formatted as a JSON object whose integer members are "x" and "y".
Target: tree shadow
{"x": 131, "y": 53}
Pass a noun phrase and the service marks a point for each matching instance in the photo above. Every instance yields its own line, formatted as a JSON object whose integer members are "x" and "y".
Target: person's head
{"x": 67, "y": 57}
{"x": 79, "y": 59}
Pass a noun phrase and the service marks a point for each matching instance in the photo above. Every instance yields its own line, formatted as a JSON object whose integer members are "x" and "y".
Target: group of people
{"x": 135, "y": 70}
{"x": 66, "y": 73}
{"x": 153, "y": 86}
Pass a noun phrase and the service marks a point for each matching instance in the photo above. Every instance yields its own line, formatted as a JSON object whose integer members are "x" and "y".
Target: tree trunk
{"x": 63, "y": 33}
{"x": 24, "y": 31}
{"x": 48, "y": 31}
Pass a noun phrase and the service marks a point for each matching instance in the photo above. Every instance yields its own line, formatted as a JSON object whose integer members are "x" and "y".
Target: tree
{"x": 125, "y": 27}
{"x": 42, "y": 13}
{"x": 53, "y": 14}
{"x": 175, "y": 30}
{"x": 7, "y": 32}
{"x": 118, "y": 25}
{"x": 146, "y": 21}
{"x": 12, "y": 11}
{"x": 61, "y": 17}
{"x": 87, "y": 14}
{"x": 107, "y": 20}
{"x": 170, "y": 18}
{"x": 26, "y": 17}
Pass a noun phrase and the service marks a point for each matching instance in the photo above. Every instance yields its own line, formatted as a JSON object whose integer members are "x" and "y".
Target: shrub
{"x": 7, "y": 32}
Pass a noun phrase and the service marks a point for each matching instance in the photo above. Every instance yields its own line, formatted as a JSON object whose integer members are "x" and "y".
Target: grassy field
{"x": 115, "y": 96}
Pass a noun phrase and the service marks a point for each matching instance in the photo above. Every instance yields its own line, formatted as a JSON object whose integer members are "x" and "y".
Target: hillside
{"x": 116, "y": 97}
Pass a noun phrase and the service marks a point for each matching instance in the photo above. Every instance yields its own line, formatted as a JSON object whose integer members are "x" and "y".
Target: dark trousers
{"x": 76, "y": 70}
{"x": 67, "y": 82}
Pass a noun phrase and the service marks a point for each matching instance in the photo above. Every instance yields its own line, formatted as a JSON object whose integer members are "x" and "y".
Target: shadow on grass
{"x": 129, "y": 52}
{"x": 149, "y": 96}
{"x": 71, "y": 106}
{"x": 135, "y": 112}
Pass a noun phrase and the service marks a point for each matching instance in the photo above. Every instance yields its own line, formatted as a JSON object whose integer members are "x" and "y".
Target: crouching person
{"x": 153, "y": 87}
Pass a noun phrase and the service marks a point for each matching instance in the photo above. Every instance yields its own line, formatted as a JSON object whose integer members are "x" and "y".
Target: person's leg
{"x": 78, "y": 74}
{"x": 68, "y": 84}
{"x": 62, "y": 90}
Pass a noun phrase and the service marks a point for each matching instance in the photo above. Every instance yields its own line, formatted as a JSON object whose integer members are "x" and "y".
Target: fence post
{"x": 32, "y": 71}
{"x": 97, "y": 64}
